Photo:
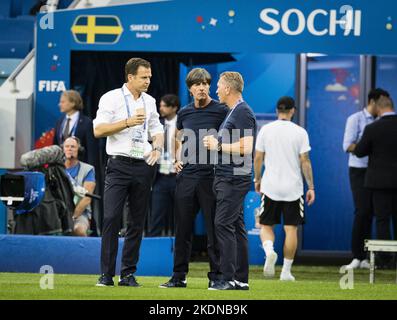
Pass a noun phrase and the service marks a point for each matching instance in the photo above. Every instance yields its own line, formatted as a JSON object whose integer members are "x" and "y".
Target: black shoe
{"x": 241, "y": 285}
{"x": 213, "y": 278}
{"x": 223, "y": 285}
{"x": 174, "y": 283}
{"x": 211, "y": 283}
{"x": 128, "y": 281}
{"x": 105, "y": 281}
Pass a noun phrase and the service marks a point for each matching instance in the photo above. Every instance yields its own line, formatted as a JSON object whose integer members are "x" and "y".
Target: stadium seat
{"x": 27, "y": 18}
{"x": 22, "y": 7}
{"x": 16, "y": 8}
{"x": 14, "y": 49}
{"x": 62, "y": 4}
{"x": 16, "y": 30}
{"x": 5, "y": 8}
{"x": 7, "y": 66}
{"x": 27, "y": 5}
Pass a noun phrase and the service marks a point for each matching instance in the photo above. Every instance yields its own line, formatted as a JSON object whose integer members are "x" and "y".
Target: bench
{"x": 373, "y": 246}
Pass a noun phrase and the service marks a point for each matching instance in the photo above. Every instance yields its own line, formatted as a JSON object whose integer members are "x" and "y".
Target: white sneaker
{"x": 365, "y": 264}
{"x": 353, "y": 265}
{"x": 269, "y": 268}
{"x": 286, "y": 276}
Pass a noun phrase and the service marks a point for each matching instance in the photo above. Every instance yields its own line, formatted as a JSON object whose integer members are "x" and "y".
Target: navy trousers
{"x": 230, "y": 228}
{"x": 132, "y": 179}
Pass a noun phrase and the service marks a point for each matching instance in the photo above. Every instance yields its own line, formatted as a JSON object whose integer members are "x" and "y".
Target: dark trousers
{"x": 363, "y": 212}
{"x": 162, "y": 209}
{"x": 230, "y": 228}
{"x": 124, "y": 179}
{"x": 191, "y": 195}
{"x": 385, "y": 207}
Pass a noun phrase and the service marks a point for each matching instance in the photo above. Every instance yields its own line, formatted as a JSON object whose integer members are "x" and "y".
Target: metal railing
{"x": 76, "y": 2}
{"x": 18, "y": 70}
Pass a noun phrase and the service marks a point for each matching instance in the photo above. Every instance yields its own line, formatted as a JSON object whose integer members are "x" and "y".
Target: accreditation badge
{"x": 165, "y": 164}
{"x": 138, "y": 144}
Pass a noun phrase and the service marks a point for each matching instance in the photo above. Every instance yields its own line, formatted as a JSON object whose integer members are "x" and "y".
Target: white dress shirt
{"x": 112, "y": 108}
{"x": 170, "y": 136}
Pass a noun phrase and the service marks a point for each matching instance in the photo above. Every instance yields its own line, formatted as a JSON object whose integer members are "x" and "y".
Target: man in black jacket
{"x": 379, "y": 142}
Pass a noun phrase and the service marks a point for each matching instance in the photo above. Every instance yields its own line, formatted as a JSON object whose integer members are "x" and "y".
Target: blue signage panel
{"x": 235, "y": 26}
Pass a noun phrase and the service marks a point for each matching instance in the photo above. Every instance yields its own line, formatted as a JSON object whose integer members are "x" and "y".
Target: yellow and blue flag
{"x": 91, "y": 29}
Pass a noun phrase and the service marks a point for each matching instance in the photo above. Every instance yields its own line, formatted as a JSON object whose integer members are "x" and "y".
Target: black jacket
{"x": 379, "y": 142}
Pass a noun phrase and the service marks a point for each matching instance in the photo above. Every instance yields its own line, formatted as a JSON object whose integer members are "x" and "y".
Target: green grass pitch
{"x": 312, "y": 283}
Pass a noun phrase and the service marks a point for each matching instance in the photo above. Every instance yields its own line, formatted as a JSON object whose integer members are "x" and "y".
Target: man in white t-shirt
{"x": 285, "y": 148}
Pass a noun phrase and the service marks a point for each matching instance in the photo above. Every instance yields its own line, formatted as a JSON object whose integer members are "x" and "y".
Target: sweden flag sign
{"x": 97, "y": 29}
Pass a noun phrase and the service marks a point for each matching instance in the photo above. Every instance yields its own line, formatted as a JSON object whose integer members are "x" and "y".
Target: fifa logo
{"x": 318, "y": 23}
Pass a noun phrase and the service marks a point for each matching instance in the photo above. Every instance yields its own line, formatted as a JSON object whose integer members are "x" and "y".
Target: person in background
{"x": 284, "y": 147}
{"x": 163, "y": 192}
{"x": 379, "y": 143}
{"x": 81, "y": 174}
{"x": 74, "y": 123}
{"x": 362, "y": 196}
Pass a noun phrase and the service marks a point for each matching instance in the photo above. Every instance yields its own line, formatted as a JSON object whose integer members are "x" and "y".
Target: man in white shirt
{"x": 128, "y": 117}
{"x": 285, "y": 148}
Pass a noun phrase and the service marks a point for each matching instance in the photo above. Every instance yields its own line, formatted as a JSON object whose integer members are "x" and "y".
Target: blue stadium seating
{"x": 7, "y": 66}
{"x": 14, "y": 49}
{"x": 16, "y": 8}
{"x": 12, "y": 29}
{"x": 25, "y": 17}
{"x": 5, "y": 8}
{"x": 26, "y": 6}
{"x": 62, "y": 4}
{"x": 17, "y": 27}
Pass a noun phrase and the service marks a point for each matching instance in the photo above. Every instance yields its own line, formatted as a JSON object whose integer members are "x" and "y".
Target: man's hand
{"x": 136, "y": 120}
{"x": 178, "y": 165}
{"x": 211, "y": 143}
{"x": 76, "y": 215}
{"x": 153, "y": 157}
{"x": 258, "y": 186}
{"x": 79, "y": 190}
{"x": 310, "y": 197}
{"x": 351, "y": 148}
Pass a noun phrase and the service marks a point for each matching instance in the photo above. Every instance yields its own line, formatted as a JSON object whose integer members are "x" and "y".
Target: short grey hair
{"x": 234, "y": 80}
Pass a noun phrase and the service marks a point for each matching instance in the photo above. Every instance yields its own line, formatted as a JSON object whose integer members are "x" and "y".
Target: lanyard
{"x": 228, "y": 116}
{"x": 128, "y": 109}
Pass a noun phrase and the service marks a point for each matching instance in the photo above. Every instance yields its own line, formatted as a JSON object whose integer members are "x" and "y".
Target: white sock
{"x": 287, "y": 265}
{"x": 268, "y": 247}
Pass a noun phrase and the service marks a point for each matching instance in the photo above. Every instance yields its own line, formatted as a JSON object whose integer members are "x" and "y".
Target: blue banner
{"x": 235, "y": 26}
